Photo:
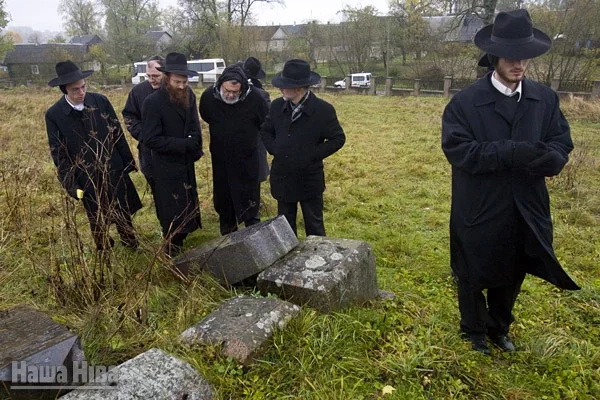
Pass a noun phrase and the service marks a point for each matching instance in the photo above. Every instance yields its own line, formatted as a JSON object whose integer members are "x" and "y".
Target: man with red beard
{"x": 132, "y": 113}
{"x": 503, "y": 136}
{"x": 235, "y": 111}
{"x": 171, "y": 130}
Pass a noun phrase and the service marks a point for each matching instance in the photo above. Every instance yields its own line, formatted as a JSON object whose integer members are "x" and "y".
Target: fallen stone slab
{"x": 324, "y": 273}
{"x": 35, "y": 353}
{"x": 242, "y": 254}
{"x": 153, "y": 374}
{"x": 242, "y": 325}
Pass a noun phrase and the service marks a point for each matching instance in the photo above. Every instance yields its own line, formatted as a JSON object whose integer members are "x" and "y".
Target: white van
{"x": 362, "y": 79}
{"x": 208, "y": 68}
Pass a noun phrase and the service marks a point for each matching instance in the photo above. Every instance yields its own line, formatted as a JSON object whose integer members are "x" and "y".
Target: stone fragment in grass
{"x": 242, "y": 254}
{"x": 34, "y": 349}
{"x": 242, "y": 325}
{"x": 150, "y": 375}
{"x": 324, "y": 273}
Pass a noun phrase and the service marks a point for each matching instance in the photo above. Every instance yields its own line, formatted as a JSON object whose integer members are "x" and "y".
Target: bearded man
{"x": 234, "y": 110}
{"x": 171, "y": 130}
{"x": 503, "y": 136}
{"x": 132, "y": 113}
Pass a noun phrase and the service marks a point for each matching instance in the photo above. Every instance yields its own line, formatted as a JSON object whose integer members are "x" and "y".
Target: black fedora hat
{"x": 513, "y": 36}
{"x": 296, "y": 73}
{"x": 176, "y": 63}
{"x": 253, "y": 68}
{"x": 67, "y": 73}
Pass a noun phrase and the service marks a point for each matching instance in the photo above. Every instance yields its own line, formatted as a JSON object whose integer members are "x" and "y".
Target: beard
{"x": 227, "y": 101}
{"x": 179, "y": 97}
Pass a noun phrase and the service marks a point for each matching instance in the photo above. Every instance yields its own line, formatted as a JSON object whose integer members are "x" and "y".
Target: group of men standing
{"x": 503, "y": 136}
{"x": 161, "y": 113}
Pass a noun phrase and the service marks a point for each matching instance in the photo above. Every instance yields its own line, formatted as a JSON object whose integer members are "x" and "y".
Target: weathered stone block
{"x": 242, "y": 254}
{"x": 324, "y": 273}
{"x": 34, "y": 342}
{"x": 151, "y": 375}
{"x": 241, "y": 325}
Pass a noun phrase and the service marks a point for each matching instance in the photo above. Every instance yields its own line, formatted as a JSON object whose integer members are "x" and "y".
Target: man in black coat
{"x": 92, "y": 157}
{"x": 254, "y": 72}
{"x": 171, "y": 130}
{"x": 503, "y": 135}
{"x": 132, "y": 113}
{"x": 300, "y": 131}
{"x": 234, "y": 110}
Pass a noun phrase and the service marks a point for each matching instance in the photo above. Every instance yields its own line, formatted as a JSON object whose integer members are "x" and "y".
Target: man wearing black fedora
{"x": 171, "y": 130}
{"x": 300, "y": 131}
{"x": 92, "y": 157}
{"x": 503, "y": 136}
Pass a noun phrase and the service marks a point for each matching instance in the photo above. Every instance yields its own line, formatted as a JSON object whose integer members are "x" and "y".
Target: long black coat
{"x": 167, "y": 130}
{"x": 299, "y": 148}
{"x": 263, "y": 164}
{"x": 234, "y": 139}
{"x": 487, "y": 195}
{"x": 132, "y": 114}
{"x": 88, "y": 146}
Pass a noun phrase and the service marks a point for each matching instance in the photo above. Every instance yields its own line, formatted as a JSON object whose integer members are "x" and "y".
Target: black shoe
{"x": 478, "y": 343}
{"x": 503, "y": 342}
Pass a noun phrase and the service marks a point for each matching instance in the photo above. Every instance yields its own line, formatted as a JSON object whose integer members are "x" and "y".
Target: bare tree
{"x": 80, "y": 17}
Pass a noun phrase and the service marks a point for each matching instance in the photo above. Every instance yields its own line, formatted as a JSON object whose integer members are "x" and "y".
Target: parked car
{"x": 362, "y": 79}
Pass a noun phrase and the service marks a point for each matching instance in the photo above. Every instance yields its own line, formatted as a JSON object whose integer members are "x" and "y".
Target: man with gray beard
{"x": 171, "y": 130}
{"x": 234, "y": 110}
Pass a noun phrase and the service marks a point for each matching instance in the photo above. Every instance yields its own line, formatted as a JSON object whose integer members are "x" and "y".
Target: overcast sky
{"x": 42, "y": 15}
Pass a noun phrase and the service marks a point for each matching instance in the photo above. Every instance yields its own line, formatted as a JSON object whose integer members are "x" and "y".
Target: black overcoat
{"x": 132, "y": 115}
{"x": 86, "y": 147}
{"x": 263, "y": 164}
{"x": 167, "y": 130}
{"x": 234, "y": 139}
{"x": 487, "y": 194}
{"x": 299, "y": 148}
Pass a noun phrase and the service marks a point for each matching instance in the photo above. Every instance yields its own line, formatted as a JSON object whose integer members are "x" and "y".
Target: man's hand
{"x": 549, "y": 164}
{"x": 525, "y": 152}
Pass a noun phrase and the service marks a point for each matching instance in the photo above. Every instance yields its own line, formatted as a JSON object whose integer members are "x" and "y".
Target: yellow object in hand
{"x": 79, "y": 194}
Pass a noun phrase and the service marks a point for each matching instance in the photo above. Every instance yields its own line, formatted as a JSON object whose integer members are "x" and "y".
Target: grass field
{"x": 389, "y": 186}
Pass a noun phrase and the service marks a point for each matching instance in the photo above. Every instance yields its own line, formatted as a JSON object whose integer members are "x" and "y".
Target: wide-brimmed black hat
{"x": 67, "y": 73}
{"x": 176, "y": 63}
{"x": 253, "y": 68}
{"x": 513, "y": 36}
{"x": 296, "y": 73}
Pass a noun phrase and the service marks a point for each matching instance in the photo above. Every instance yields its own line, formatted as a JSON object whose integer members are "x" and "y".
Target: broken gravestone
{"x": 151, "y": 375}
{"x": 35, "y": 353}
{"x": 324, "y": 273}
{"x": 242, "y": 254}
{"x": 241, "y": 325}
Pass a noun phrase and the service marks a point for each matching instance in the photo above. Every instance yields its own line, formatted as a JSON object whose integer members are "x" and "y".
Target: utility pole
{"x": 387, "y": 51}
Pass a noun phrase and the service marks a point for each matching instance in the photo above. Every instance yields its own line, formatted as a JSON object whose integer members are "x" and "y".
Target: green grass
{"x": 389, "y": 186}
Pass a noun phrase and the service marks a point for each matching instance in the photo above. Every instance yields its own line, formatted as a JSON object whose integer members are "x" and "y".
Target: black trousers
{"x": 492, "y": 314}
{"x": 229, "y": 219}
{"x": 312, "y": 212}
{"x": 100, "y": 221}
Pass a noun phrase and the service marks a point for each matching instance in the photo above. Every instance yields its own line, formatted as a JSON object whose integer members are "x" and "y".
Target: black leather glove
{"x": 549, "y": 164}
{"x": 525, "y": 152}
